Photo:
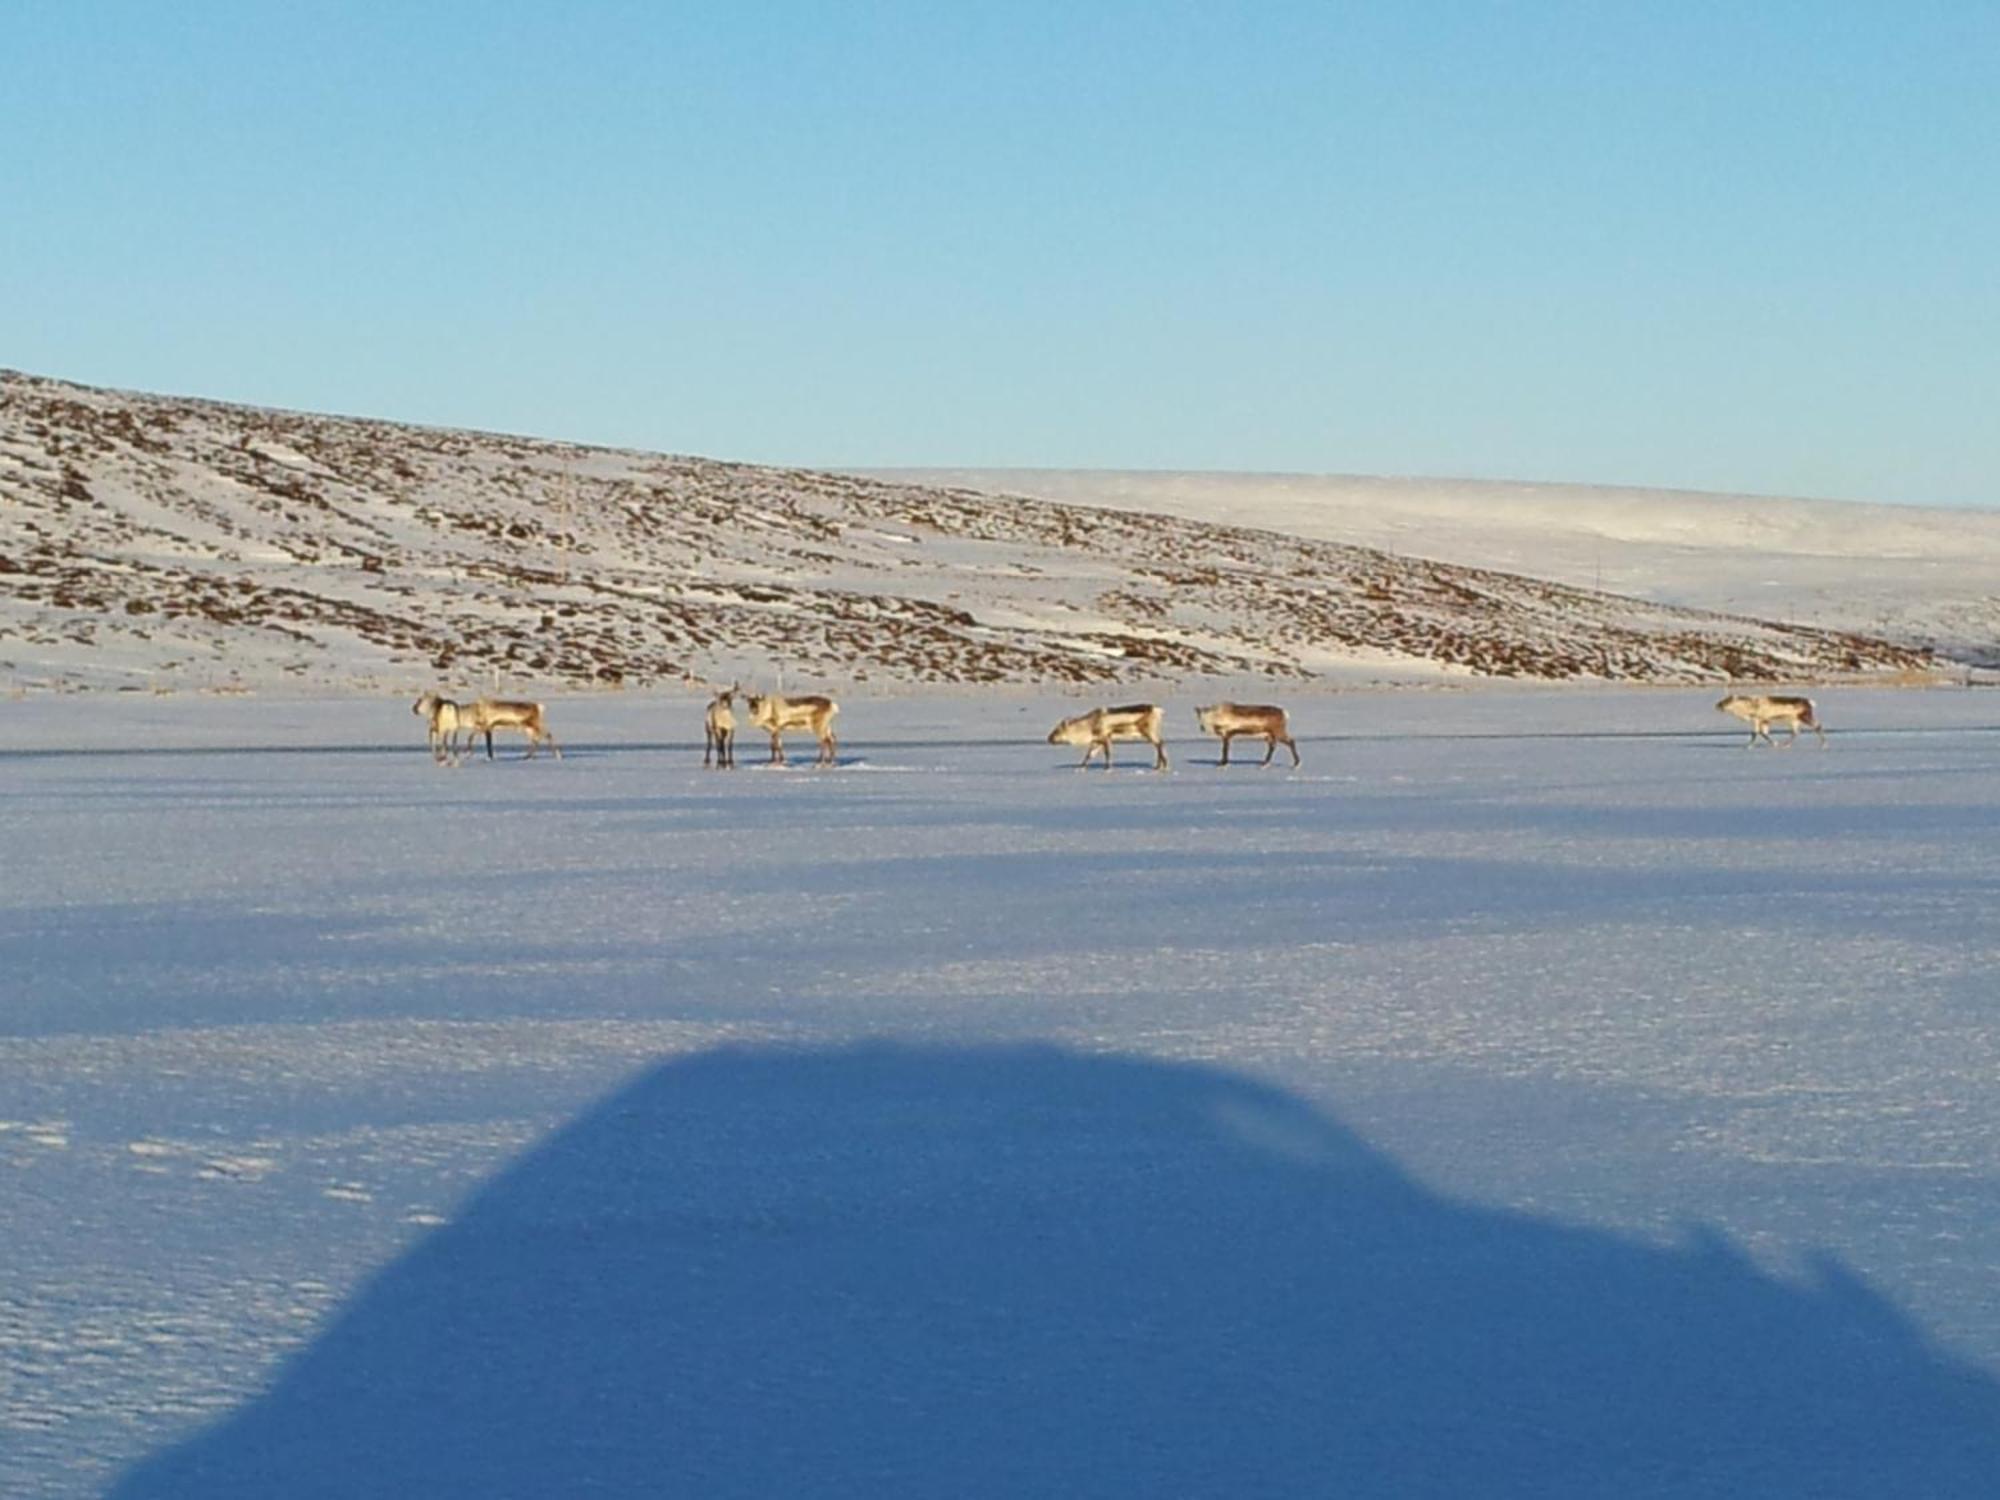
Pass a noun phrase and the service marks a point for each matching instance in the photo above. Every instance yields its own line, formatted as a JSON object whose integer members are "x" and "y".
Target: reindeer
{"x": 446, "y": 719}
{"x": 719, "y": 730}
{"x": 1231, "y": 719}
{"x": 489, "y": 714}
{"x": 1097, "y": 729}
{"x": 774, "y": 715}
{"x": 1760, "y": 712}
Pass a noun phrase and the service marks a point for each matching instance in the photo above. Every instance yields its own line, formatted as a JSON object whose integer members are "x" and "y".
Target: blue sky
{"x": 1724, "y": 246}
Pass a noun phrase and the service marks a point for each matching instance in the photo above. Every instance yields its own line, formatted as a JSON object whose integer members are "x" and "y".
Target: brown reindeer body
{"x": 1761, "y": 711}
{"x": 1097, "y": 729}
{"x": 489, "y": 714}
{"x": 719, "y": 732}
{"x": 1264, "y": 720}
{"x": 774, "y": 715}
{"x": 445, "y": 720}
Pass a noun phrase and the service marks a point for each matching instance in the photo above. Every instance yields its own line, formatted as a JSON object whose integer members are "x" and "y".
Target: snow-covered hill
{"x": 1910, "y": 573}
{"x": 157, "y": 542}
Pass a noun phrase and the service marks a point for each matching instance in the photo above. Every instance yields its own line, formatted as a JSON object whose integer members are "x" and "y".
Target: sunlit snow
{"x": 1537, "y": 1093}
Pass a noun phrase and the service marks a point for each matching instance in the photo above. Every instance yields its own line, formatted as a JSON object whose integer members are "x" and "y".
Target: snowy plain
{"x": 1534, "y": 1094}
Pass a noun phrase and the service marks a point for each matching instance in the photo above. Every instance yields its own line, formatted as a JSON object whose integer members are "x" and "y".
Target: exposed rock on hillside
{"x": 157, "y": 541}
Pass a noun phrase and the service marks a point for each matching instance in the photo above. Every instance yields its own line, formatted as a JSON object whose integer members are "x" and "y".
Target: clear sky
{"x": 1749, "y": 245}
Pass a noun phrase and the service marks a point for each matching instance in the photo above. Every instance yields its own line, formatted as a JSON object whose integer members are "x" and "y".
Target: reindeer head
{"x": 1073, "y": 731}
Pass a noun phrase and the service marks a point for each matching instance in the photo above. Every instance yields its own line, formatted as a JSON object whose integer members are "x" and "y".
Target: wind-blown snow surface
{"x": 1912, "y": 573}
{"x": 152, "y": 542}
{"x": 1536, "y": 1094}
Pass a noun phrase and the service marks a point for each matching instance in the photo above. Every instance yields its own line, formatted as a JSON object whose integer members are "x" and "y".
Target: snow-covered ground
{"x": 1535, "y": 1094}
{"x": 159, "y": 543}
{"x": 1905, "y": 571}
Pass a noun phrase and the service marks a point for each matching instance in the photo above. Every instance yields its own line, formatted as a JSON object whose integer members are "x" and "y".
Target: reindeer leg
{"x": 1160, "y": 755}
{"x": 1226, "y": 738}
{"x": 1270, "y": 747}
{"x": 1295, "y": 751}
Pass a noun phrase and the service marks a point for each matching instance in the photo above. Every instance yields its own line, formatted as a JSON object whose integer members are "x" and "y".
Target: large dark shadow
{"x": 1026, "y": 1272}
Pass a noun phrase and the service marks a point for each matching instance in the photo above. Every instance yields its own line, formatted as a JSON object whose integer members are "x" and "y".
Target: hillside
{"x": 1920, "y": 575}
{"x": 159, "y": 542}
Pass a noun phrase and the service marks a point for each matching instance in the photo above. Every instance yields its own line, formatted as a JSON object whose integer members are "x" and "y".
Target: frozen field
{"x": 1484, "y": 1108}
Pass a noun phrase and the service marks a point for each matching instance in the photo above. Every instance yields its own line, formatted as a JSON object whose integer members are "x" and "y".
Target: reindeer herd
{"x": 772, "y": 714}
{"x": 1142, "y": 721}
{"x": 448, "y": 720}
{"x": 455, "y": 728}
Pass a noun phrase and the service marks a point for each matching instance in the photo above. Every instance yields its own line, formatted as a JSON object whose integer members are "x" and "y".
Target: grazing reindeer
{"x": 1264, "y": 719}
{"x": 719, "y": 730}
{"x": 1097, "y": 729}
{"x": 446, "y": 719}
{"x": 1760, "y": 712}
{"x": 489, "y": 714}
{"x": 774, "y": 715}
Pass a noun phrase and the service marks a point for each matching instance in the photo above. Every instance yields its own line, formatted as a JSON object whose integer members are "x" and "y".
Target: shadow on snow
{"x": 897, "y": 1271}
